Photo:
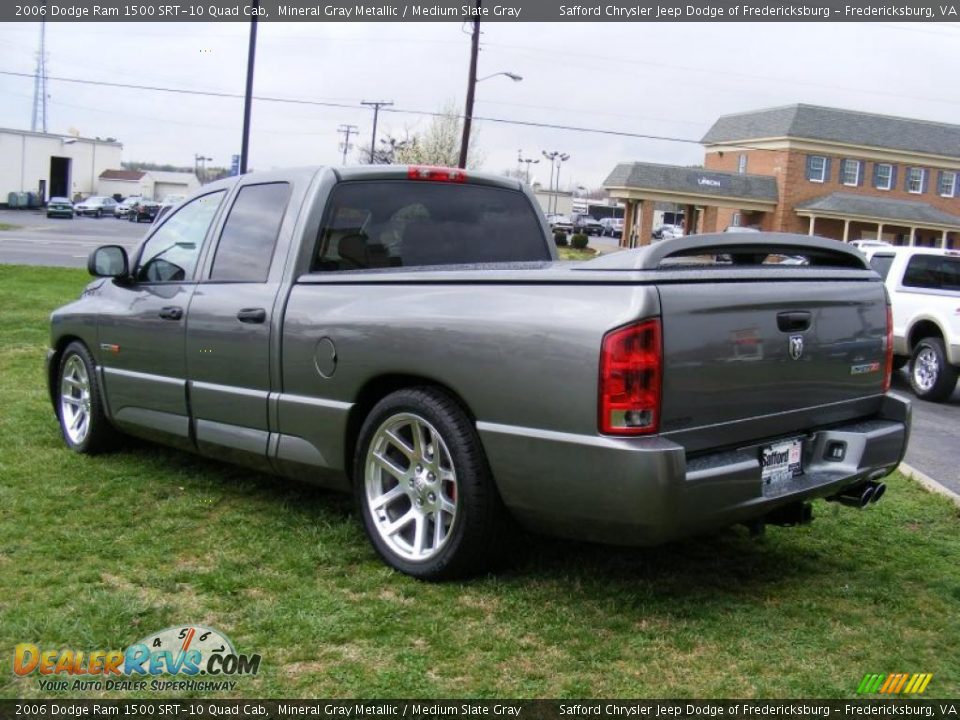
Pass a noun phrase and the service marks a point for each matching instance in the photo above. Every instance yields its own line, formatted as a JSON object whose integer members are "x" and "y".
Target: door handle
{"x": 252, "y": 315}
{"x": 171, "y": 312}
{"x": 796, "y": 321}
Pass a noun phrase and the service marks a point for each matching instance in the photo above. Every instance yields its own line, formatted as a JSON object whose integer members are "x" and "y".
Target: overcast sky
{"x": 650, "y": 78}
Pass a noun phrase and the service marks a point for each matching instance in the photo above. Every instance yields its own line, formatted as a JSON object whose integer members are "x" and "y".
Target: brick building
{"x": 805, "y": 169}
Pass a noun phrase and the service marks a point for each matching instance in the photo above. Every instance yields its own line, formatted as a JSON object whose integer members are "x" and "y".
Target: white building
{"x": 155, "y": 184}
{"x": 52, "y": 165}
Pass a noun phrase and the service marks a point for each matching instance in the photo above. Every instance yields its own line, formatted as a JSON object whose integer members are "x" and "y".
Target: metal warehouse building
{"x": 51, "y": 165}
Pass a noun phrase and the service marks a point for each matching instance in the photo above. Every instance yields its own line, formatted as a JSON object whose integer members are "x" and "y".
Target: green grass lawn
{"x": 9, "y": 226}
{"x": 97, "y": 552}
{"x": 569, "y": 253}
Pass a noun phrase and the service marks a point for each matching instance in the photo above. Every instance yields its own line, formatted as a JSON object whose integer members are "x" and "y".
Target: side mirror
{"x": 108, "y": 261}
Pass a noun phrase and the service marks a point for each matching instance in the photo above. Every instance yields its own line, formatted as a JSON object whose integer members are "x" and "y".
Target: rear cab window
{"x": 396, "y": 223}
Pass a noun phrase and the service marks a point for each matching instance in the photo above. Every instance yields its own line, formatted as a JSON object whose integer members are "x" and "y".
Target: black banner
{"x": 460, "y": 709}
{"x": 489, "y": 11}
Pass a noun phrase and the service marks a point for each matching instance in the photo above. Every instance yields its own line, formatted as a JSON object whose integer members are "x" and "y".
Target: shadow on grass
{"x": 726, "y": 561}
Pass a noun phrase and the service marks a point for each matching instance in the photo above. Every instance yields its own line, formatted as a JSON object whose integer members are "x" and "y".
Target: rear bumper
{"x": 646, "y": 491}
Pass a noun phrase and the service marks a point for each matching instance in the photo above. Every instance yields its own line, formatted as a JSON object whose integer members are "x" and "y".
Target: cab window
{"x": 389, "y": 224}
{"x": 171, "y": 253}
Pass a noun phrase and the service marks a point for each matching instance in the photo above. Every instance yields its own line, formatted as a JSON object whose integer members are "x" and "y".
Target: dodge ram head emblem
{"x": 796, "y": 346}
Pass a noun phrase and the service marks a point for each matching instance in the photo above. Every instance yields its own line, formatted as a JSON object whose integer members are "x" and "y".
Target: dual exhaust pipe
{"x": 859, "y": 496}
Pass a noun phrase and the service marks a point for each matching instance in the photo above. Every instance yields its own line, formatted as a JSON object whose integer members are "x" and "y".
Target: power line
{"x": 378, "y": 105}
{"x": 352, "y": 106}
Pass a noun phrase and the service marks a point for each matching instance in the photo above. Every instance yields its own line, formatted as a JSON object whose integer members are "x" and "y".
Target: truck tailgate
{"x": 748, "y": 360}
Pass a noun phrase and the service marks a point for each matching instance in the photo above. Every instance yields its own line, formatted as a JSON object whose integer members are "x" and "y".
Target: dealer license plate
{"x": 781, "y": 461}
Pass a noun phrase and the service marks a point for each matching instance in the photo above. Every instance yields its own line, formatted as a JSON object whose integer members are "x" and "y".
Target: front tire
{"x": 932, "y": 377}
{"x": 423, "y": 487}
{"x": 84, "y": 426}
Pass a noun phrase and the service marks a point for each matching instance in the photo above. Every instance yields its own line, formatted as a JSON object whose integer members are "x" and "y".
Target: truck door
{"x": 231, "y": 323}
{"x": 142, "y": 339}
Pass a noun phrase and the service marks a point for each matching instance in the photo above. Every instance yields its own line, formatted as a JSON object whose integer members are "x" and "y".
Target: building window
{"x": 736, "y": 220}
{"x": 883, "y": 176}
{"x": 915, "y": 180}
{"x": 816, "y": 168}
{"x": 850, "y": 172}
{"x": 742, "y": 163}
{"x": 948, "y": 183}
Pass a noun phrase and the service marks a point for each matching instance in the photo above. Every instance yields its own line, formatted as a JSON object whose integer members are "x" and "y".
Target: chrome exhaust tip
{"x": 858, "y": 496}
{"x": 878, "y": 491}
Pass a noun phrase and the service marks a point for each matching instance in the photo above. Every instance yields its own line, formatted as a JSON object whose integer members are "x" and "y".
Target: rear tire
{"x": 83, "y": 423}
{"x": 932, "y": 377}
{"x": 424, "y": 490}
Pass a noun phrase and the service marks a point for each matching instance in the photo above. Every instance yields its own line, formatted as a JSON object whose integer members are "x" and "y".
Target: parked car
{"x": 587, "y": 225}
{"x": 864, "y": 244}
{"x": 612, "y": 226}
{"x": 96, "y": 206}
{"x": 562, "y": 223}
{"x": 667, "y": 232}
{"x": 60, "y": 207}
{"x": 924, "y": 287}
{"x": 123, "y": 207}
{"x": 741, "y": 229}
{"x": 143, "y": 209}
{"x": 406, "y": 334}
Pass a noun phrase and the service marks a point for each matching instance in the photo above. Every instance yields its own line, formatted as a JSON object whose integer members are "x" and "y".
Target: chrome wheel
{"x": 926, "y": 369}
{"x": 410, "y": 487}
{"x": 75, "y": 400}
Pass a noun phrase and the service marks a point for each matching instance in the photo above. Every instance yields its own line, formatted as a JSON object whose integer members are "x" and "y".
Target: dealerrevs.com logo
{"x": 185, "y": 653}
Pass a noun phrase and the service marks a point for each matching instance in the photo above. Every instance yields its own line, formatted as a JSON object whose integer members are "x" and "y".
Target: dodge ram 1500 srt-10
{"x": 408, "y": 335}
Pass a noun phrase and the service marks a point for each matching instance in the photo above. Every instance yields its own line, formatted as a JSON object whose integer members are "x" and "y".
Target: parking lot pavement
{"x": 61, "y": 242}
{"x": 933, "y": 449}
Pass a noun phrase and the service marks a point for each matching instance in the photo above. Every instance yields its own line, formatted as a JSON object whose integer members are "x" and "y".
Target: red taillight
{"x": 888, "y": 365}
{"x": 631, "y": 362}
{"x": 436, "y": 174}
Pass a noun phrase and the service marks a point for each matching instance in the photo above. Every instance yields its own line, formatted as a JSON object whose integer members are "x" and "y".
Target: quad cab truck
{"x": 407, "y": 335}
{"x": 924, "y": 288}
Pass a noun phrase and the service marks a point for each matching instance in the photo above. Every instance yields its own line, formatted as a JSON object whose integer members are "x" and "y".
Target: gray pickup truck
{"x": 408, "y": 335}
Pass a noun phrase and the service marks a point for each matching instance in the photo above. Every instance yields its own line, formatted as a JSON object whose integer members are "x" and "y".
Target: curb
{"x": 929, "y": 483}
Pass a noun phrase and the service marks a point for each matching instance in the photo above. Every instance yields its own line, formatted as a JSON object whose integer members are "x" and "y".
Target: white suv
{"x": 924, "y": 287}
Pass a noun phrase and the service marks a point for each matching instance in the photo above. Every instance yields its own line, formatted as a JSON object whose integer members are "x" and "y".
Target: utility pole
{"x": 39, "y": 118}
{"x": 347, "y": 131}
{"x": 471, "y": 87}
{"x": 248, "y": 97}
{"x": 376, "y": 105}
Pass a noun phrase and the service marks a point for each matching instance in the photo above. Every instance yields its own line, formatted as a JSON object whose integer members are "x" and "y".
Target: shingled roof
{"x": 673, "y": 178}
{"x": 122, "y": 175}
{"x": 905, "y": 211}
{"x": 812, "y": 122}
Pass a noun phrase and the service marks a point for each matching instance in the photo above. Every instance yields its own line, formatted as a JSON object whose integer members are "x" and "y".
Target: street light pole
{"x": 556, "y": 158}
{"x": 528, "y": 162}
{"x": 248, "y": 96}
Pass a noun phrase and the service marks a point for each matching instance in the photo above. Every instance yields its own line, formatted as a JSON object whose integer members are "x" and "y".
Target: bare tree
{"x": 439, "y": 144}
{"x": 388, "y": 151}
